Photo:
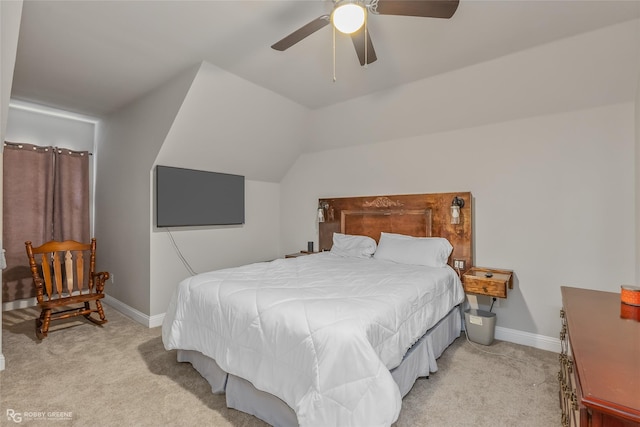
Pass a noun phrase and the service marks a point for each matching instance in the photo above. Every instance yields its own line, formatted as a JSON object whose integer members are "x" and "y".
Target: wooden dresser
{"x": 599, "y": 362}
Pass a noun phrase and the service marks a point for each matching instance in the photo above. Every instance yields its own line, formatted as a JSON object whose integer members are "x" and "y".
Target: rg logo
{"x": 14, "y": 416}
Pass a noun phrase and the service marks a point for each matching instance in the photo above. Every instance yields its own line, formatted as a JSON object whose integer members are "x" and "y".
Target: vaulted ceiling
{"x": 94, "y": 57}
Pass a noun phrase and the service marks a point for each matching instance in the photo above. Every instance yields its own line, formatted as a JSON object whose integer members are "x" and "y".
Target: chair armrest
{"x": 99, "y": 279}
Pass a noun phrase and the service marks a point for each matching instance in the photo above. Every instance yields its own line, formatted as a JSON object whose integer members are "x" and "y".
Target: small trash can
{"x": 480, "y": 325}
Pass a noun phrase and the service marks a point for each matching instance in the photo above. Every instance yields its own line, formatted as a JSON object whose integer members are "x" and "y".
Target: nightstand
{"x": 301, "y": 253}
{"x": 475, "y": 281}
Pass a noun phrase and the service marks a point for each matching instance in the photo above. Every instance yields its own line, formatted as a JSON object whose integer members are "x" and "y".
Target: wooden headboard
{"x": 420, "y": 215}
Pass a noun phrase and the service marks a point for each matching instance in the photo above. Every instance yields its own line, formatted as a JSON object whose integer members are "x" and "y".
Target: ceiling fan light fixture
{"x": 348, "y": 17}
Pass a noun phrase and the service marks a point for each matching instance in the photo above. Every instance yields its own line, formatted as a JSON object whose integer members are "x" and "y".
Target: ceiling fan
{"x": 357, "y": 11}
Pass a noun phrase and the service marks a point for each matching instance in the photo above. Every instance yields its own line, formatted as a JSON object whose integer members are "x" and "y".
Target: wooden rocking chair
{"x": 62, "y": 283}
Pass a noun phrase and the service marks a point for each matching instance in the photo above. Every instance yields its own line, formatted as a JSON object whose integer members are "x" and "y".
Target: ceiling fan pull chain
{"x": 366, "y": 45}
{"x": 334, "y": 54}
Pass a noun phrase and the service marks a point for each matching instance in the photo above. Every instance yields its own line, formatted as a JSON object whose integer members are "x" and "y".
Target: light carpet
{"x": 120, "y": 374}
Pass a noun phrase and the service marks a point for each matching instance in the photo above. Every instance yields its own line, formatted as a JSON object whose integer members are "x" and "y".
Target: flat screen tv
{"x": 187, "y": 197}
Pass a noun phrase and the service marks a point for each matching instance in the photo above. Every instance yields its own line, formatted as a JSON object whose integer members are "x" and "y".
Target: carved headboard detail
{"x": 382, "y": 202}
{"x": 421, "y": 215}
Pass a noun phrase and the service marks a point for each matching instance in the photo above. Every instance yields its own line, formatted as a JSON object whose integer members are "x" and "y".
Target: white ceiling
{"x": 94, "y": 57}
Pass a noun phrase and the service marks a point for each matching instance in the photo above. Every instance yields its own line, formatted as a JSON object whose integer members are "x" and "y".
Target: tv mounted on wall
{"x": 187, "y": 197}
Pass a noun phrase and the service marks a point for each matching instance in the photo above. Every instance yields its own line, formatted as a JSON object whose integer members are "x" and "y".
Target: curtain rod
{"x": 35, "y": 147}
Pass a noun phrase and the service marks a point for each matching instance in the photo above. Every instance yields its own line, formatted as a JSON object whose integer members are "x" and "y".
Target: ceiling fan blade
{"x": 358, "y": 43}
{"x": 301, "y": 33}
{"x": 425, "y": 8}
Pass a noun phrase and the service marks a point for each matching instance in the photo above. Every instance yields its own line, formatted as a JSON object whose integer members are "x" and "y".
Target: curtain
{"x": 71, "y": 196}
{"x": 40, "y": 203}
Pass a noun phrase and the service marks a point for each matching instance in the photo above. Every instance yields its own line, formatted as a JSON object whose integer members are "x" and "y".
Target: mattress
{"x": 290, "y": 326}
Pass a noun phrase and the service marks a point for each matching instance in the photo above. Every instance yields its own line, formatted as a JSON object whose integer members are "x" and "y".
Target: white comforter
{"x": 321, "y": 332}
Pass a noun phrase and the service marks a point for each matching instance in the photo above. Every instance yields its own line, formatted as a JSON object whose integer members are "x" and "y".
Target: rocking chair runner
{"x": 62, "y": 283}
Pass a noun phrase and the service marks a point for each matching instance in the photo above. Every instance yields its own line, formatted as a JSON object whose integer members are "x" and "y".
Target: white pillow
{"x": 347, "y": 245}
{"x": 429, "y": 251}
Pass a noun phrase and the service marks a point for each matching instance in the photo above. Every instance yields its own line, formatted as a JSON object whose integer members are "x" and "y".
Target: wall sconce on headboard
{"x": 456, "y": 204}
{"x": 321, "y": 208}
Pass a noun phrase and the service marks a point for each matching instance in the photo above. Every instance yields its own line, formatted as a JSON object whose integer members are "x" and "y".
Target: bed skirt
{"x": 418, "y": 362}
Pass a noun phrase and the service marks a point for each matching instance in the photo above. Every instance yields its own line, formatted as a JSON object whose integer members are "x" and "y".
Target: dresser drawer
{"x": 475, "y": 281}
{"x": 572, "y": 411}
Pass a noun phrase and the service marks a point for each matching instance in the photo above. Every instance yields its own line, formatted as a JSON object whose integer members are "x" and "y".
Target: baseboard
{"x": 20, "y": 303}
{"x": 138, "y": 316}
{"x": 541, "y": 342}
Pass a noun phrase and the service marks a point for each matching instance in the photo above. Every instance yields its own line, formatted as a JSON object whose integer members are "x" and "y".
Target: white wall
{"x": 591, "y": 69}
{"x": 205, "y": 119}
{"x": 227, "y": 124}
{"x": 553, "y": 199}
{"x": 128, "y": 143}
{"x": 10, "y": 14}
{"x": 637, "y": 188}
{"x": 34, "y": 124}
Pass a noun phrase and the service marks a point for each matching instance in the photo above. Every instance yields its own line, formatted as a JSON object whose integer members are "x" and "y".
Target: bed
{"x": 334, "y": 338}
